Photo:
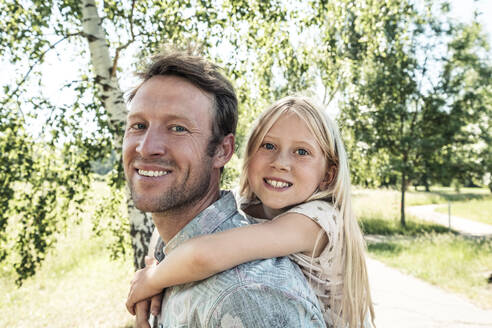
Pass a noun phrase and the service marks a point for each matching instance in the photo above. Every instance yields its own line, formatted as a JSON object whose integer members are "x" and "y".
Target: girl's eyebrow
{"x": 309, "y": 145}
{"x": 296, "y": 142}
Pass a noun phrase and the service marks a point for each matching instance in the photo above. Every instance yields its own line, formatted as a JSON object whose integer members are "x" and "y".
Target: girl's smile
{"x": 277, "y": 184}
{"x": 288, "y": 166}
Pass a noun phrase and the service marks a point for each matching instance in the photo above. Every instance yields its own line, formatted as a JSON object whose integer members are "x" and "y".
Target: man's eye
{"x": 138, "y": 126}
{"x": 268, "y": 146}
{"x": 178, "y": 128}
{"x": 302, "y": 152}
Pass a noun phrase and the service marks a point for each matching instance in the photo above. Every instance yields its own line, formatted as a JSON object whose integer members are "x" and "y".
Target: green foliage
{"x": 54, "y": 175}
{"x": 41, "y": 197}
{"x": 14, "y": 165}
{"x": 419, "y": 124}
{"x": 76, "y": 283}
{"x": 466, "y": 81}
{"x": 105, "y": 165}
{"x": 109, "y": 219}
{"x": 373, "y": 58}
{"x": 230, "y": 176}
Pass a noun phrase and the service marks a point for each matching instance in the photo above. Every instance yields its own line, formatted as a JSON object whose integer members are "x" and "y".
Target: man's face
{"x": 165, "y": 142}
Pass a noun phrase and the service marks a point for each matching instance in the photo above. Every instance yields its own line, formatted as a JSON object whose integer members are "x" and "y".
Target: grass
{"x": 77, "y": 286}
{"x": 479, "y": 210}
{"x": 425, "y": 250}
{"x": 414, "y": 227}
{"x": 439, "y": 195}
{"x": 379, "y": 213}
{"x": 451, "y": 262}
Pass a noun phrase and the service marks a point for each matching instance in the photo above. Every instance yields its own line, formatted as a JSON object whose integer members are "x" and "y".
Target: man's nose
{"x": 281, "y": 161}
{"x": 153, "y": 143}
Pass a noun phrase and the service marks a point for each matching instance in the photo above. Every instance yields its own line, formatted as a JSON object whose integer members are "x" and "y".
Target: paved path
{"x": 467, "y": 227}
{"x": 406, "y": 302}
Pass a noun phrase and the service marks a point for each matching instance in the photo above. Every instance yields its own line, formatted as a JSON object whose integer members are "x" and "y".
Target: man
{"x": 180, "y": 133}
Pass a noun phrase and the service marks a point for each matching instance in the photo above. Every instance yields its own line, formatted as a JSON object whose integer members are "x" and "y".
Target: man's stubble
{"x": 181, "y": 195}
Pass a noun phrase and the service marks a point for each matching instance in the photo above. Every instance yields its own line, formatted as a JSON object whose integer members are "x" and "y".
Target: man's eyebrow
{"x": 132, "y": 115}
{"x": 168, "y": 117}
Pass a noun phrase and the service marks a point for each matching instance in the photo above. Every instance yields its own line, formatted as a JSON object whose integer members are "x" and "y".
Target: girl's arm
{"x": 206, "y": 255}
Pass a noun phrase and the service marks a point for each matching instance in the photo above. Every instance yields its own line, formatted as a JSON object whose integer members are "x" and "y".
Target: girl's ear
{"x": 329, "y": 178}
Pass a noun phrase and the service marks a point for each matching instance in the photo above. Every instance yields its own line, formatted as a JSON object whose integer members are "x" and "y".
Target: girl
{"x": 295, "y": 182}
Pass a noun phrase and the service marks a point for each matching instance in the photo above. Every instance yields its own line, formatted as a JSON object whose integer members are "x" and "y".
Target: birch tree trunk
{"x": 141, "y": 225}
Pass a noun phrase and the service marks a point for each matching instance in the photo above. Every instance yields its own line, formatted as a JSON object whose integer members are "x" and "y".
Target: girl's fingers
{"x": 130, "y": 307}
{"x": 155, "y": 304}
{"x": 142, "y": 312}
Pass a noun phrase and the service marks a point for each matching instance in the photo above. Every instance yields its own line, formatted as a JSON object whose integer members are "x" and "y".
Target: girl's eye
{"x": 302, "y": 152}
{"x": 178, "y": 128}
{"x": 268, "y": 146}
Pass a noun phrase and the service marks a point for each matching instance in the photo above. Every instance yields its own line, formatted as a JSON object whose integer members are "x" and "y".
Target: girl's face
{"x": 288, "y": 167}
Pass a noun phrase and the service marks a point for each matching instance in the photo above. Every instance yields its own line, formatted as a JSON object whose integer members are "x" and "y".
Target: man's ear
{"x": 329, "y": 178}
{"x": 224, "y": 151}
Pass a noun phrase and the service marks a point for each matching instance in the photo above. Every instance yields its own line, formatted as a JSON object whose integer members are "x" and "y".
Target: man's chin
{"x": 159, "y": 205}
{"x": 149, "y": 205}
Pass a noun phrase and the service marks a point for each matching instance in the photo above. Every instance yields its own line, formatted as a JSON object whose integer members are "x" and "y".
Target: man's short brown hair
{"x": 207, "y": 77}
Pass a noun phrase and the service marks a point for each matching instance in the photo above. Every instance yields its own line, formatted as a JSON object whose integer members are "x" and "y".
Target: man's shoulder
{"x": 263, "y": 293}
{"x": 279, "y": 272}
{"x": 257, "y": 294}
{"x": 278, "y": 276}
{"x": 271, "y": 291}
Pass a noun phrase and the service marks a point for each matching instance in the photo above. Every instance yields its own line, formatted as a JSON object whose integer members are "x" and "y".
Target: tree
{"x": 362, "y": 53}
{"x": 466, "y": 82}
{"x": 29, "y": 31}
{"x": 404, "y": 101}
{"x": 99, "y": 34}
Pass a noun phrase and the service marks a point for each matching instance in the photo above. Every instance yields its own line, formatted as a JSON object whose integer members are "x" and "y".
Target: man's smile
{"x": 152, "y": 173}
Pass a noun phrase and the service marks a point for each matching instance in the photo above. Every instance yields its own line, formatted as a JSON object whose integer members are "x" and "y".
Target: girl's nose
{"x": 281, "y": 162}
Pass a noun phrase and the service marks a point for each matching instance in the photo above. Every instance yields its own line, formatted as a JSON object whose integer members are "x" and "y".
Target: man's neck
{"x": 169, "y": 223}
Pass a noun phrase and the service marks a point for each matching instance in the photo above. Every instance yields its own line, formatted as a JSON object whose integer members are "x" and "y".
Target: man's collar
{"x": 205, "y": 222}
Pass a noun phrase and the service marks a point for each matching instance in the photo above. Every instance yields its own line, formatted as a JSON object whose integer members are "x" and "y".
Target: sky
{"x": 463, "y": 11}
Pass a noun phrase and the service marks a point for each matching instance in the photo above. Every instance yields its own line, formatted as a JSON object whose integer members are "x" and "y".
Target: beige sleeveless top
{"x": 324, "y": 273}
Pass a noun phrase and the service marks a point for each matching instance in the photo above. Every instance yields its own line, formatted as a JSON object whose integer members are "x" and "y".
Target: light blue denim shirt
{"x": 269, "y": 293}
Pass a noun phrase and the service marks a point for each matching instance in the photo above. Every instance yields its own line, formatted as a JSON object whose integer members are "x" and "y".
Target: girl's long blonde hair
{"x": 356, "y": 297}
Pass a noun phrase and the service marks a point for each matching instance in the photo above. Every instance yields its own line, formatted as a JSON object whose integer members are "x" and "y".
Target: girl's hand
{"x": 142, "y": 313}
{"x": 141, "y": 286}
